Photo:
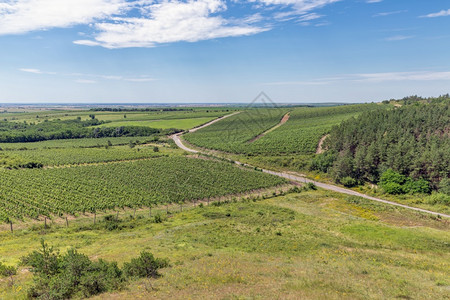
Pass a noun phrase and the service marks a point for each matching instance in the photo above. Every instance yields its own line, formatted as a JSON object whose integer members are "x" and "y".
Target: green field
{"x": 74, "y": 156}
{"x": 74, "y": 143}
{"x": 55, "y": 191}
{"x": 163, "y": 124}
{"x": 301, "y": 133}
{"x": 311, "y": 245}
{"x": 41, "y": 116}
{"x": 233, "y": 134}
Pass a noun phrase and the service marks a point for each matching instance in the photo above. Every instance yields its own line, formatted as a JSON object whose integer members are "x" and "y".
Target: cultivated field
{"x": 112, "y": 183}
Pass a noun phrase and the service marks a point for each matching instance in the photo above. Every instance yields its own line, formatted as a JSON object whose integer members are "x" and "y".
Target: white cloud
{"x": 147, "y": 23}
{"x": 21, "y": 16}
{"x": 388, "y": 13}
{"x": 300, "y": 6}
{"x": 93, "y": 78}
{"x": 167, "y": 22}
{"x": 373, "y": 1}
{"x": 442, "y": 13}
{"x": 373, "y": 77}
{"x": 404, "y": 76}
{"x": 35, "y": 71}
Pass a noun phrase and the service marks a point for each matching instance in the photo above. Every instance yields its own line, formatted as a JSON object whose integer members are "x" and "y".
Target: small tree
{"x": 155, "y": 149}
{"x": 146, "y": 265}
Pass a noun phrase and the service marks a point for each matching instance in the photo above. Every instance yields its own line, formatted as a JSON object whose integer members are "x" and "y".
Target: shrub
{"x": 311, "y": 186}
{"x": 393, "y": 188}
{"x": 418, "y": 186}
{"x": 395, "y": 183}
{"x": 146, "y": 265}
{"x": 390, "y": 176}
{"x": 349, "y": 181}
{"x": 323, "y": 162}
{"x": 6, "y": 271}
{"x": 75, "y": 275}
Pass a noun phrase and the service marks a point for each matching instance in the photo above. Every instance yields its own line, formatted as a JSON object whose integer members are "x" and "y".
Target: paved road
{"x": 297, "y": 178}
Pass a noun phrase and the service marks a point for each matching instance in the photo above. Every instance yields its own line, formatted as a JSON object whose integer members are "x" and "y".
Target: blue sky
{"x": 222, "y": 51}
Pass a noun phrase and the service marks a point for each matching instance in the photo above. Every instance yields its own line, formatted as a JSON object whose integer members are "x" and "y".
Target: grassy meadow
{"x": 313, "y": 244}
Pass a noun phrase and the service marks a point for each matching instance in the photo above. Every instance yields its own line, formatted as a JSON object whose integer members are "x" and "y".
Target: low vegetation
{"x": 312, "y": 244}
{"x": 75, "y": 275}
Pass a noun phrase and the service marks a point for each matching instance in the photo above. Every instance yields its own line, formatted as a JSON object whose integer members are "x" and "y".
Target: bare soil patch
{"x": 283, "y": 120}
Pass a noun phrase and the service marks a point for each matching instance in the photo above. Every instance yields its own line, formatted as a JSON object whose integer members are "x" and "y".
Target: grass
{"x": 308, "y": 245}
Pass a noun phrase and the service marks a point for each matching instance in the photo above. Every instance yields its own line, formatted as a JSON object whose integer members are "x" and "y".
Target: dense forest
{"x": 15, "y": 132}
{"x": 406, "y": 147}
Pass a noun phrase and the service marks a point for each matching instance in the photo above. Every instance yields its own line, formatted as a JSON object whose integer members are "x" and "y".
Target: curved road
{"x": 178, "y": 141}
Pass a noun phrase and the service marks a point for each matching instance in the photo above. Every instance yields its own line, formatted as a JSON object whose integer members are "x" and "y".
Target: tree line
{"x": 412, "y": 141}
{"x": 14, "y": 132}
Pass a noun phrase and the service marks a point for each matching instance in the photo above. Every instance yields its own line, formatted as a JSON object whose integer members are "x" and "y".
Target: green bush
{"x": 420, "y": 186}
{"x": 393, "y": 188}
{"x": 146, "y": 265}
{"x": 6, "y": 271}
{"x": 390, "y": 176}
{"x": 311, "y": 186}
{"x": 74, "y": 275}
{"x": 323, "y": 162}
{"x": 395, "y": 183}
{"x": 349, "y": 181}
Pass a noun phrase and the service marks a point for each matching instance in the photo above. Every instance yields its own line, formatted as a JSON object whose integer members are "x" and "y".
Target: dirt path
{"x": 283, "y": 120}
{"x": 319, "y": 147}
{"x": 297, "y": 178}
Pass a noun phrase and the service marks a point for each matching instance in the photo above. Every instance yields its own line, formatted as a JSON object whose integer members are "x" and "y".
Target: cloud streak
{"x": 442, "y": 13}
{"x": 92, "y": 78}
{"x": 373, "y": 78}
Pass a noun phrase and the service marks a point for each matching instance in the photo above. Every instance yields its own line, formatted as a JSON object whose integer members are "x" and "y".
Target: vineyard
{"x": 69, "y": 156}
{"x": 163, "y": 124}
{"x": 300, "y": 134}
{"x": 31, "y": 193}
{"x": 76, "y": 143}
{"x": 233, "y": 134}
